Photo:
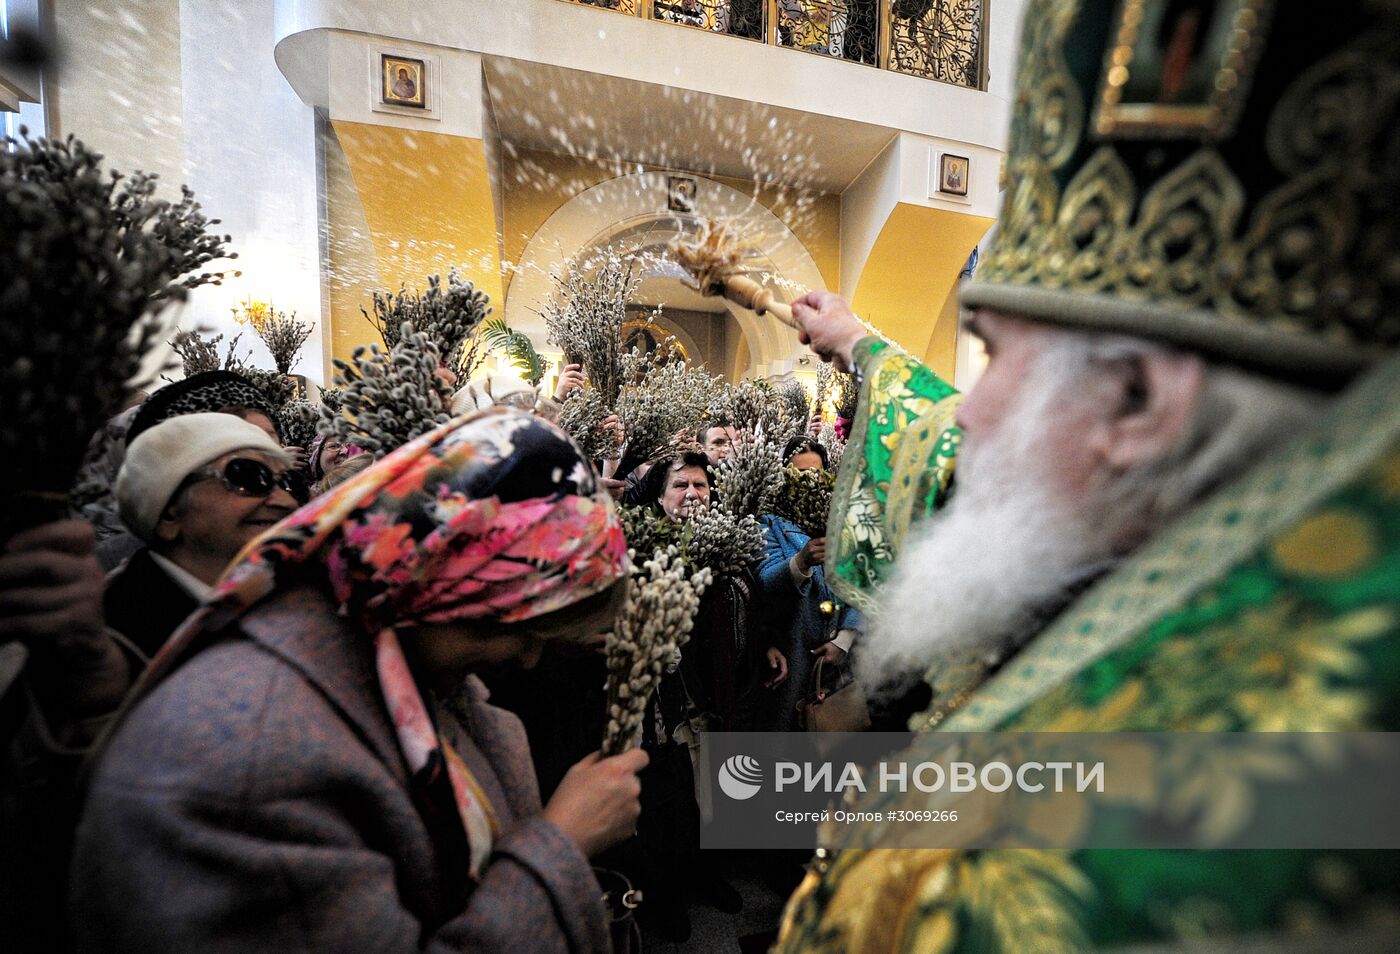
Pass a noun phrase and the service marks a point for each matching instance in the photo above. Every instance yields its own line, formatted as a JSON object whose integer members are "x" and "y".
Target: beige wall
{"x": 118, "y": 85}
{"x": 189, "y": 89}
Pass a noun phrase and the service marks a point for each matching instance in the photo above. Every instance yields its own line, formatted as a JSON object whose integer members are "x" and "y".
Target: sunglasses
{"x": 252, "y": 478}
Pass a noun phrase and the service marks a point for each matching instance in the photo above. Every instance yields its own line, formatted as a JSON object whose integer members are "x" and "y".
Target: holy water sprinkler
{"x": 716, "y": 263}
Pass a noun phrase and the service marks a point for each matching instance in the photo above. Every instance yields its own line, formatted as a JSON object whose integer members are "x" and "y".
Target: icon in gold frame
{"x": 953, "y": 174}
{"x": 403, "y": 81}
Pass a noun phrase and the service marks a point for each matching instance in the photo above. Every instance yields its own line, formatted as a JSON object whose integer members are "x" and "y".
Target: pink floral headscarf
{"x": 494, "y": 516}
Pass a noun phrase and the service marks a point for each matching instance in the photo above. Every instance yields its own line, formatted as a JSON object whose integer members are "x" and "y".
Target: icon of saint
{"x": 405, "y": 87}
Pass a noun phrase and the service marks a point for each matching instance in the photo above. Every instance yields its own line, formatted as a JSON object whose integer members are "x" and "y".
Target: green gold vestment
{"x": 901, "y": 453}
{"x": 1272, "y": 606}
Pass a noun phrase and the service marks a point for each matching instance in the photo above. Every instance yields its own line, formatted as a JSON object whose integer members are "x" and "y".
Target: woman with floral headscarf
{"x": 310, "y": 763}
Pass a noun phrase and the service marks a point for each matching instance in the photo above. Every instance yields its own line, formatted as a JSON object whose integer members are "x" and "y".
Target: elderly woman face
{"x": 449, "y": 651}
{"x": 333, "y": 452}
{"x": 687, "y": 487}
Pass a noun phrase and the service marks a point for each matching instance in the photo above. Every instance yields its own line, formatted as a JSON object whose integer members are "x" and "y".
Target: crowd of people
{"x": 274, "y": 661}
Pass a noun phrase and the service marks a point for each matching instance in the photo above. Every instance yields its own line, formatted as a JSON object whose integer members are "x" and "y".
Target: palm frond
{"x": 517, "y": 348}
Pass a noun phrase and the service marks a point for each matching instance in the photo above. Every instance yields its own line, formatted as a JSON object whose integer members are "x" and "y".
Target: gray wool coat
{"x": 256, "y": 800}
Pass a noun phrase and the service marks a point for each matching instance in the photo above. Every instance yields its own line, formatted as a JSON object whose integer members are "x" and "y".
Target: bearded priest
{"x": 1177, "y": 493}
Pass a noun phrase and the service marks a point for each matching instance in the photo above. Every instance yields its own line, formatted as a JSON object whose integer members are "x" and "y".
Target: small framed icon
{"x": 953, "y": 173}
{"x": 680, "y": 193}
{"x": 403, "y": 81}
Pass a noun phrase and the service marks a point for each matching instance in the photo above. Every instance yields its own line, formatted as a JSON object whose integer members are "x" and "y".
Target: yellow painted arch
{"x": 908, "y": 287}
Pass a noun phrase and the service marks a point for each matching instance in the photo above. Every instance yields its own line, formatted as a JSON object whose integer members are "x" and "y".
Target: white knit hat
{"x": 164, "y": 455}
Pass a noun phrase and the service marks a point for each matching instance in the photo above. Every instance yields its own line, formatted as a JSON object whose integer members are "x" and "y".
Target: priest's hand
{"x": 829, "y": 327}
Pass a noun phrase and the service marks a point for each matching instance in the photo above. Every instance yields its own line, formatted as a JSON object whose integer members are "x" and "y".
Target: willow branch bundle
{"x": 751, "y": 475}
{"x": 446, "y": 316}
{"x": 717, "y": 263}
{"x": 720, "y": 541}
{"x": 582, "y": 419}
{"x": 638, "y": 364}
{"x": 333, "y": 399}
{"x": 835, "y": 446}
{"x": 389, "y": 398}
{"x": 685, "y": 558}
{"x": 91, "y": 260}
{"x": 752, "y": 404}
{"x": 805, "y": 499}
{"x": 198, "y": 354}
{"x": 796, "y": 399}
{"x": 708, "y": 538}
{"x": 585, "y": 318}
{"x": 647, "y": 529}
{"x": 284, "y": 336}
{"x": 474, "y": 352}
{"x": 740, "y": 405}
{"x": 670, "y": 398}
{"x": 298, "y": 421}
{"x": 824, "y": 383}
{"x": 277, "y": 389}
{"x": 661, "y": 606}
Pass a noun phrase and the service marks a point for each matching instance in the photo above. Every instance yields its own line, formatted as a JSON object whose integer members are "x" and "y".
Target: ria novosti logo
{"x": 740, "y": 777}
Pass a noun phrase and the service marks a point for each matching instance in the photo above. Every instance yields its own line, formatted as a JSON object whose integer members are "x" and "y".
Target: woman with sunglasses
{"x": 195, "y": 489}
{"x": 311, "y": 763}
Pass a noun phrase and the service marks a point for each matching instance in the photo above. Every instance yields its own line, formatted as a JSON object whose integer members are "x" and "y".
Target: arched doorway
{"x": 626, "y": 215}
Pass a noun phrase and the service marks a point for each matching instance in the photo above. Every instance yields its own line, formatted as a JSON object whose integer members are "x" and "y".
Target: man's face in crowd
{"x": 807, "y": 460}
{"x": 686, "y": 489}
{"x": 719, "y": 443}
{"x": 208, "y": 524}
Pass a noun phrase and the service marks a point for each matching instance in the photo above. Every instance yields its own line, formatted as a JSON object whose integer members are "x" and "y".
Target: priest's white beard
{"x": 1004, "y": 549}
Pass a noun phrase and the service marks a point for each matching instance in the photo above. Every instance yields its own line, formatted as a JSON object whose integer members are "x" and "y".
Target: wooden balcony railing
{"x": 941, "y": 40}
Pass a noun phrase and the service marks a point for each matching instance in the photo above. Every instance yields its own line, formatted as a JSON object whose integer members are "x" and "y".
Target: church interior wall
{"x": 158, "y": 88}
